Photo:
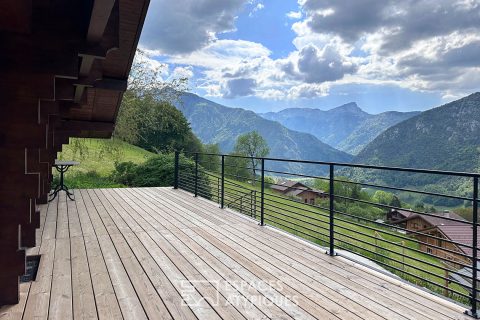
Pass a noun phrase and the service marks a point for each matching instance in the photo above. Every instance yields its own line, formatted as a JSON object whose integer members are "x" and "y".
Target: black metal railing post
{"x": 262, "y": 195}
{"x": 218, "y": 190}
{"x": 222, "y": 199}
{"x": 175, "y": 175}
{"x": 196, "y": 174}
{"x": 332, "y": 210}
{"x": 255, "y": 204}
{"x": 475, "y": 250}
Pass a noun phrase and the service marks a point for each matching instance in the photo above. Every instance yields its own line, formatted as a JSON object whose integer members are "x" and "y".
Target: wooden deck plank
{"x": 189, "y": 248}
{"x": 313, "y": 309}
{"x": 332, "y": 299}
{"x": 38, "y": 300}
{"x": 298, "y": 247}
{"x": 158, "y": 253}
{"x": 84, "y": 306}
{"x": 106, "y": 302}
{"x": 302, "y": 271}
{"x": 187, "y": 290}
{"x": 152, "y": 303}
{"x": 127, "y": 298}
{"x": 172, "y": 299}
{"x": 61, "y": 294}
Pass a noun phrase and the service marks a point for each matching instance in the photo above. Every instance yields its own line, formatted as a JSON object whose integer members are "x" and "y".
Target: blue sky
{"x": 267, "y": 55}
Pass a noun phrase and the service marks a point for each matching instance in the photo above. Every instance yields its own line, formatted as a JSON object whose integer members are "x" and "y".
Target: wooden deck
{"x": 159, "y": 253}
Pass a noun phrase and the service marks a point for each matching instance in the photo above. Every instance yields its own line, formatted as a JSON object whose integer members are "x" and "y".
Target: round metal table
{"x": 62, "y": 167}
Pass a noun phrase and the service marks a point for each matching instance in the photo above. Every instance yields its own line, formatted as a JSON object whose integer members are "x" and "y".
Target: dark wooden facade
{"x": 64, "y": 66}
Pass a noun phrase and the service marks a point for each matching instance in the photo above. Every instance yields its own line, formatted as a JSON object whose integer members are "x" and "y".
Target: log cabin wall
{"x": 64, "y": 66}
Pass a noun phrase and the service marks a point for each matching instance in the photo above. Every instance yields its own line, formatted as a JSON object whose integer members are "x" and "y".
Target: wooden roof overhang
{"x": 64, "y": 66}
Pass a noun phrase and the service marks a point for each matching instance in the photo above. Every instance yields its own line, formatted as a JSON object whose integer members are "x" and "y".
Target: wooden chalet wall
{"x": 64, "y": 66}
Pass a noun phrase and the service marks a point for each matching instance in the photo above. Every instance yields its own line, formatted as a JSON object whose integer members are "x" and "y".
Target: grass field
{"x": 392, "y": 250}
{"x": 97, "y": 159}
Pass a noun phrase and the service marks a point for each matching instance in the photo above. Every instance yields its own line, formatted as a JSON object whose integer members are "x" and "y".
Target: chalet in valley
{"x": 436, "y": 232}
{"x": 299, "y": 190}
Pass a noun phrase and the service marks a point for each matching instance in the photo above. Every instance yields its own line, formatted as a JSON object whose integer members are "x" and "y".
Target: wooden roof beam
{"x": 98, "y": 21}
{"x": 103, "y": 13}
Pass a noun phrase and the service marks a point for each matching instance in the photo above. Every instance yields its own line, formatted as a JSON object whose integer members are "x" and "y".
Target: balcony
{"x": 159, "y": 253}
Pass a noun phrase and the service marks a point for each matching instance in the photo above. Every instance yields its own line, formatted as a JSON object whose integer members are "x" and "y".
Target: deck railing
{"x": 342, "y": 222}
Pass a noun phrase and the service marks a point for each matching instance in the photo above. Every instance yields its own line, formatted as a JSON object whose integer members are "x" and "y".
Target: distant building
{"x": 458, "y": 233}
{"x": 437, "y": 232}
{"x": 416, "y": 222}
{"x": 299, "y": 190}
{"x": 394, "y": 216}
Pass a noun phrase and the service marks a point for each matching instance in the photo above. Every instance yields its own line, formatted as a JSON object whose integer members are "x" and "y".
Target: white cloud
{"x": 308, "y": 91}
{"x": 184, "y": 26}
{"x": 221, "y": 53}
{"x": 420, "y": 45}
{"x": 294, "y": 15}
{"x": 182, "y": 72}
{"x": 258, "y": 7}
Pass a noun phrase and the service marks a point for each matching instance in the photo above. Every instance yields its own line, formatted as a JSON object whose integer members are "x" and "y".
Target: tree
{"x": 395, "y": 202}
{"x": 382, "y": 197}
{"x": 236, "y": 167}
{"x": 167, "y": 129}
{"x": 252, "y": 145}
{"x": 145, "y": 86}
{"x": 147, "y": 116}
{"x": 210, "y": 162}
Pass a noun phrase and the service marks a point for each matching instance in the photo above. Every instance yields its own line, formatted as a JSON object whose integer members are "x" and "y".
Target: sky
{"x": 268, "y": 55}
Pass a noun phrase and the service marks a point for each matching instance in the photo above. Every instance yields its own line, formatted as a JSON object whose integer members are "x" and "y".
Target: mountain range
{"x": 215, "y": 123}
{"x": 442, "y": 138}
{"x": 445, "y": 138}
{"x": 347, "y": 127}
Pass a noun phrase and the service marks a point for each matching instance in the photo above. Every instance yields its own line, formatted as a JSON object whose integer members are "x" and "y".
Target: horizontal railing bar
{"x": 299, "y": 231}
{"x": 405, "y": 190}
{"x": 244, "y": 196}
{"x": 298, "y": 219}
{"x": 401, "y": 236}
{"x": 302, "y": 215}
{"x": 375, "y": 185}
{"x": 237, "y": 192}
{"x": 298, "y": 202}
{"x": 396, "y": 208}
{"x": 296, "y": 174}
{"x": 190, "y": 184}
{"x": 393, "y": 259}
{"x": 295, "y": 224}
{"x": 398, "y": 253}
{"x": 399, "y": 270}
{"x": 353, "y": 165}
{"x": 191, "y": 189}
{"x": 295, "y": 188}
{"x": 293, "y": 207}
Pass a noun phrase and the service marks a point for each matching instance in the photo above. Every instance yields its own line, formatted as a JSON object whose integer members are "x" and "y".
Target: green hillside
{"x": 97, "y": 159}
